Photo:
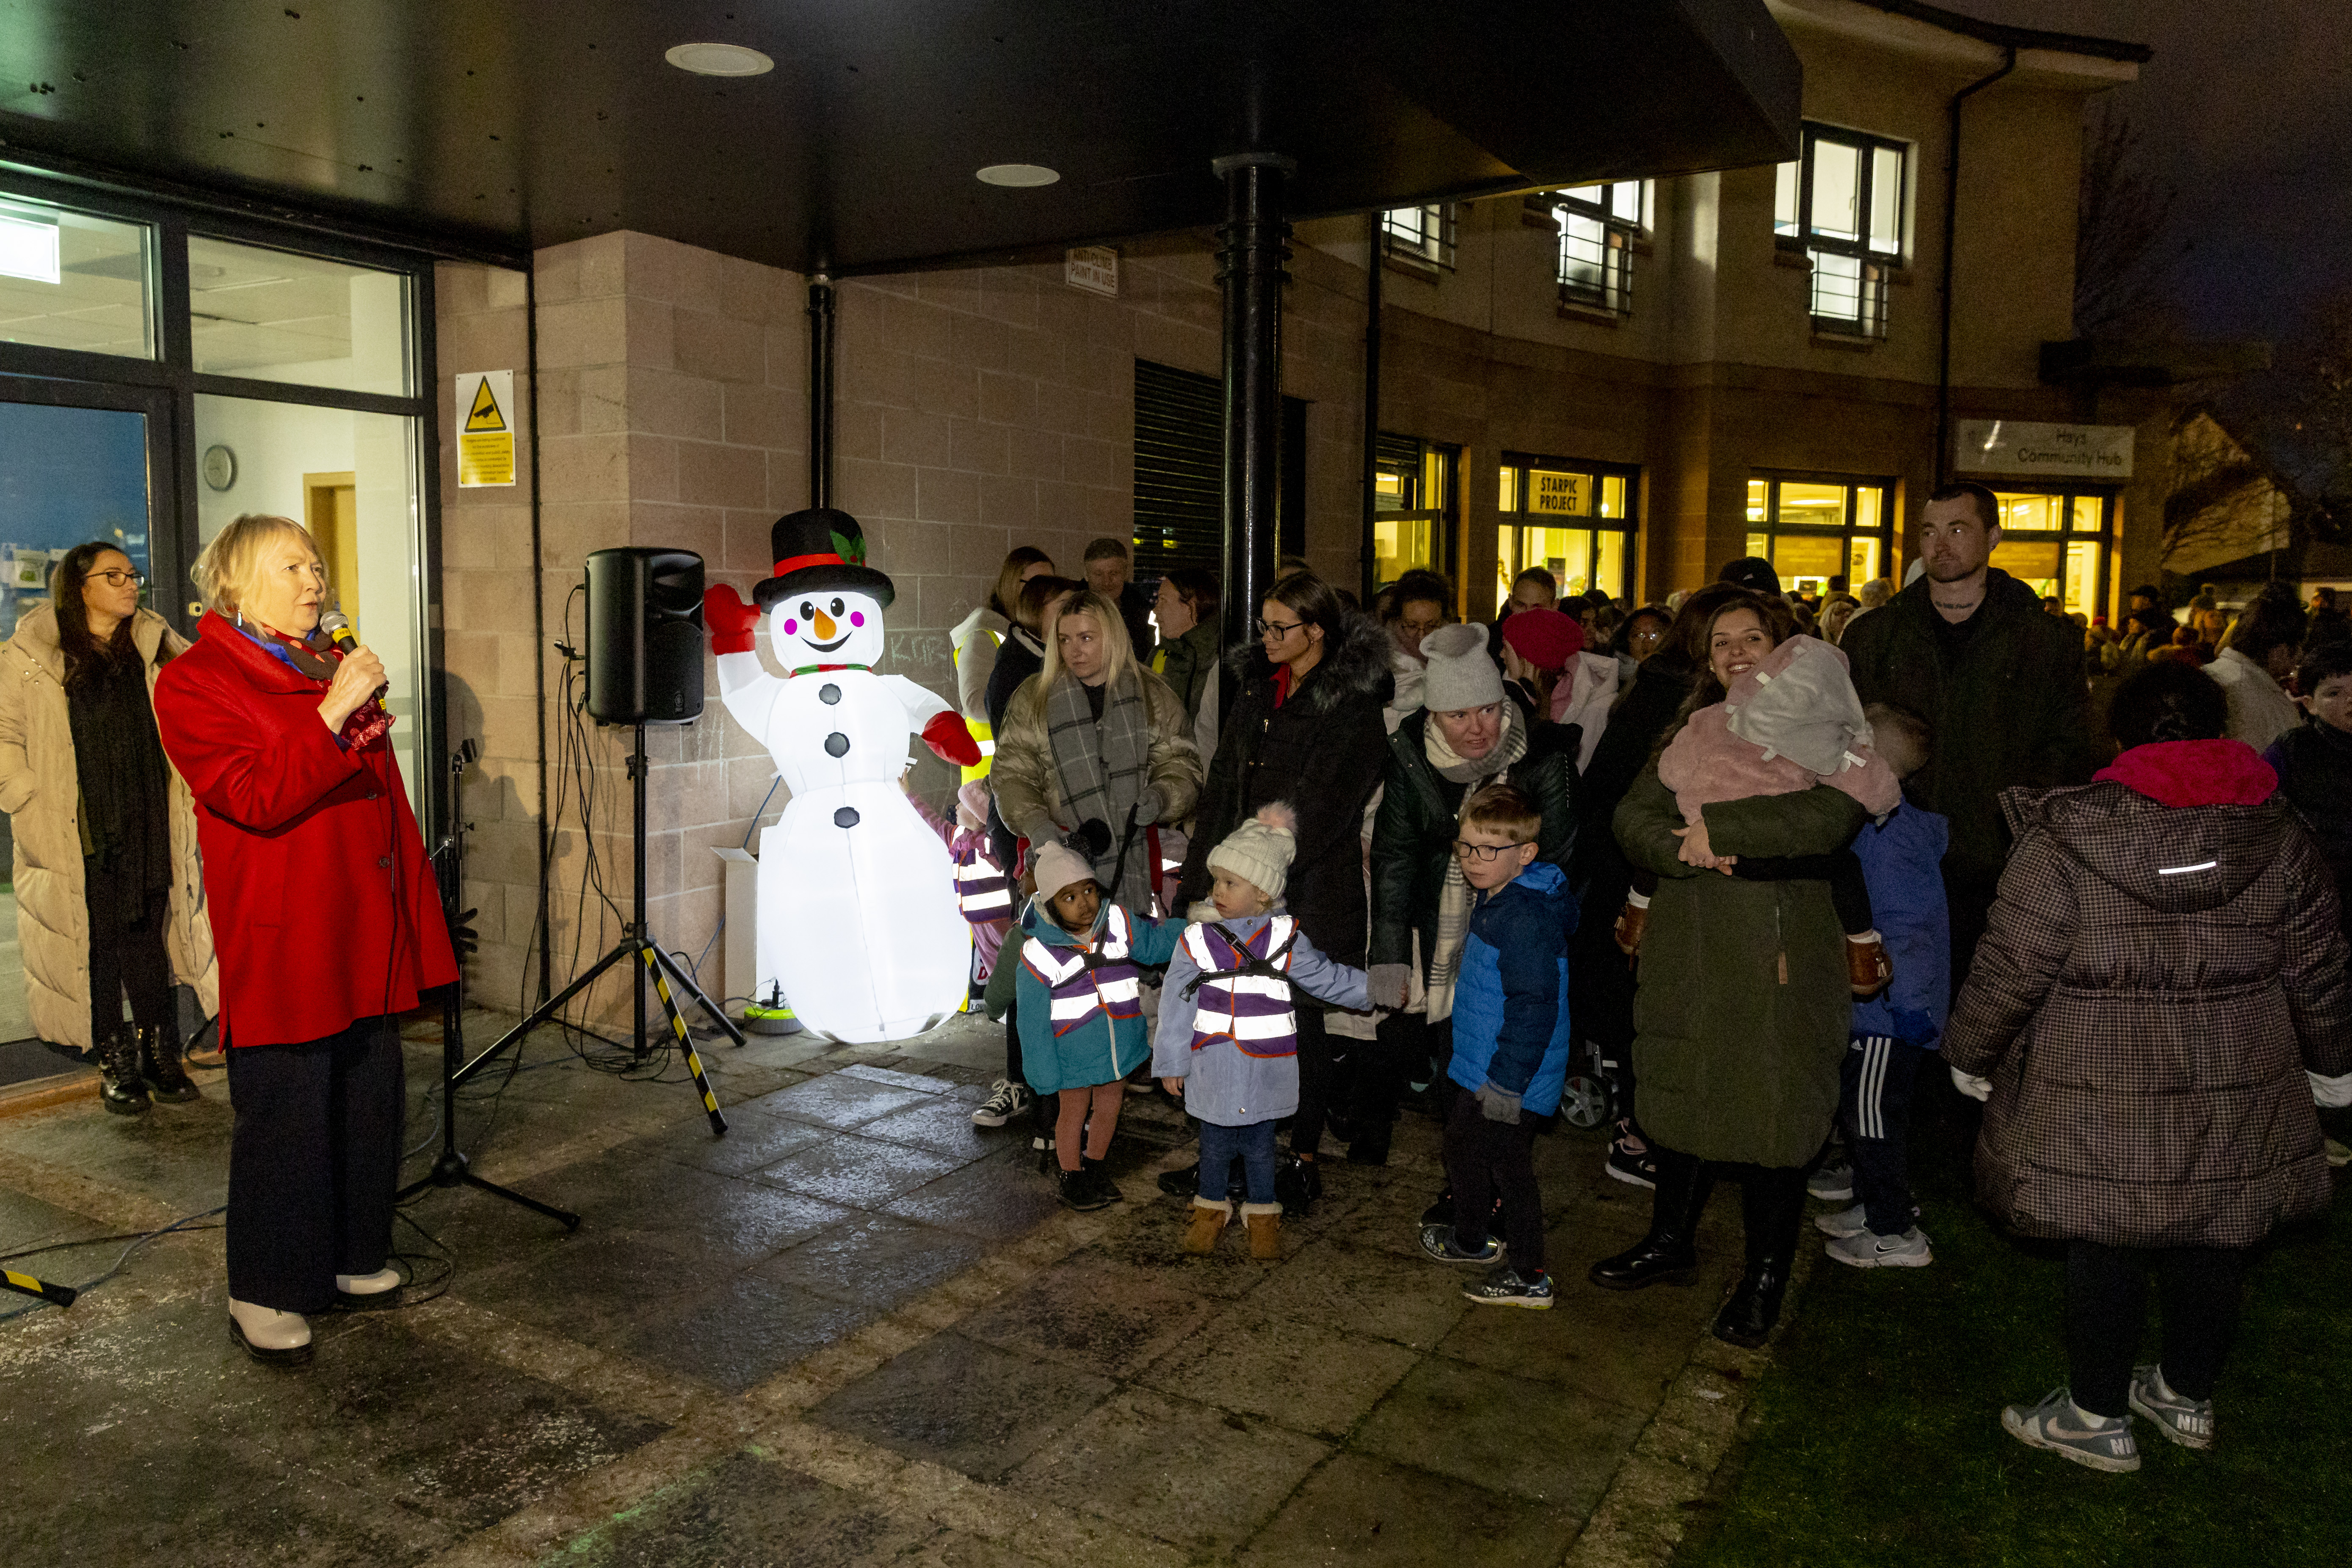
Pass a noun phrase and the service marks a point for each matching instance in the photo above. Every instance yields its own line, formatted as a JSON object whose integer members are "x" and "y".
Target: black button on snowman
{"x": 857, "y": 910}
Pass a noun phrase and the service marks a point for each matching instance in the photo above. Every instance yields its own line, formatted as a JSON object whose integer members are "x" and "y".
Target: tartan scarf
{"x": 1454, "y": 903}
{"x": 1104, "y": 765}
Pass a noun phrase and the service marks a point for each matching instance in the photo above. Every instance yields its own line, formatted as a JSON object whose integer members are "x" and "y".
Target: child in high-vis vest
{"x": 1079, "y": 999}
{"x": 1228, "y": 1036}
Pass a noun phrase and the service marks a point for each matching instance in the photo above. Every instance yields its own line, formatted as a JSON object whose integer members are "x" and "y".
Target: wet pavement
{"x": 856, "y": 1330}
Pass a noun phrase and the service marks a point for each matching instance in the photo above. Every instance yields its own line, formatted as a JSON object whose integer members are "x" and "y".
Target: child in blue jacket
{"x": 1079, "y": 1005}
{"x": 1897, "y": 1031}
{"x": 1510, "y": 1045}
{"x": 1228, "y": 1036}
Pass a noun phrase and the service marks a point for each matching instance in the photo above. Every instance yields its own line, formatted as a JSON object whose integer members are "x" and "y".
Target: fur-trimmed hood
{"x": 1355, "y": 664}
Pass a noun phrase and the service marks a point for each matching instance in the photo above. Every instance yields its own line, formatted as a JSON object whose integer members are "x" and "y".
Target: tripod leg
{"x": 63, "y": 1295}
{"x": 652, "y": 957}
{"x": 571, "y": 1221}
{"x": 695, "y": 993}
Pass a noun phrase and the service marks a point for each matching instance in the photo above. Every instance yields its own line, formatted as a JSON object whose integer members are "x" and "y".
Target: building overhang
{"x": 511, "y": 125}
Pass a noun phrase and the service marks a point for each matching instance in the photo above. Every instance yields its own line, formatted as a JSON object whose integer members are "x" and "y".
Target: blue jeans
{"x": 1253, "y": 1145}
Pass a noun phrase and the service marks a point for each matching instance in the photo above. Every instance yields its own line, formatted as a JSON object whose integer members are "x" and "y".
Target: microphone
{"x": 338, "y": 627}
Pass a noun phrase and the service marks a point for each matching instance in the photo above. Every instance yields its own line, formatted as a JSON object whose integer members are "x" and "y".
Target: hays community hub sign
{"x": 2021, "y": 448}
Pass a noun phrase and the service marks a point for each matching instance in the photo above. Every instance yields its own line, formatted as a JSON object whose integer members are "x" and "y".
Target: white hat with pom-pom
{"x": 1259, "y": 851}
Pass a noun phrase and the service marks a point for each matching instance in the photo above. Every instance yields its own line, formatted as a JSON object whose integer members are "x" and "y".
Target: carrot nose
{"x": 823, "y": 626}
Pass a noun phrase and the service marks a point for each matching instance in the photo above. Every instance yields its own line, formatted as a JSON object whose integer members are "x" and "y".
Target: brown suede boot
{"x": 1867, "y": 966}
{"x": 1209, "y": 1222}
{"x": 1265, "y": 1224}
{"x": 1632, "y": 921}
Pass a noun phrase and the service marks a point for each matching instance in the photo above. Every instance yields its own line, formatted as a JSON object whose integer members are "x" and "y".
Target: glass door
{"x": 77, "y": 465}
{"x": 1574, "y": 521}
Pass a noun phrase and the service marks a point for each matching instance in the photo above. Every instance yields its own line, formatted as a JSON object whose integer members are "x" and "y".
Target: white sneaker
{"x": 1006, "y": 1100}
{"x": 1841, "y": 1223}
{"x": 1832, "y": 1184}
{"x": 371, "y": 1289}
{"x": 268, "y": 1335}
{"x": 2187, "y": 1422}
{"x": 1863, "y": 1250}
{"x": 2071, "y": 1432}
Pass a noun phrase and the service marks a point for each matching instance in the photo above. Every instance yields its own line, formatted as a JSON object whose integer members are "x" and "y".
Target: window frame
{"x": 2101, "y": 537}
{"x": 1424, "y": 247}
{"x": 1519, "y": 519}
{"x": 1620, "y": 239}
{"x": 1420, "y": 465}
{"x": 1885, "y": 533}
{"x": 1872, "y": 264}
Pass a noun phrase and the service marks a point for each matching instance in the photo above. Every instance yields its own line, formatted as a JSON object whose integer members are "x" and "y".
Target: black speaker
{"x": 645, "y": 636}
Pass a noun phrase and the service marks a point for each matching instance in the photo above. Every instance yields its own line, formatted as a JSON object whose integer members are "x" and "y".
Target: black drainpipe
{"x": 1371, "y": 396}
{"x": 1951, "y": 212}
{"x": 820, "y": 389}
{"x": 538, "y": 623}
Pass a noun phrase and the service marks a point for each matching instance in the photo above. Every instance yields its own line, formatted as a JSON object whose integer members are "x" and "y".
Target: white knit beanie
{"x": 1259, "y": 851}
{"x": 1461, "y": 674}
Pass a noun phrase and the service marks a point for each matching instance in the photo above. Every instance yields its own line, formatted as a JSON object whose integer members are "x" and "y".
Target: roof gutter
{"x": 1951, "y": 215}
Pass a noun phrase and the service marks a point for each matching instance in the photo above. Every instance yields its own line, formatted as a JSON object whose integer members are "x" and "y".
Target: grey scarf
{"x": 1453, "y": 899}
{"x": 1104, "y": 765}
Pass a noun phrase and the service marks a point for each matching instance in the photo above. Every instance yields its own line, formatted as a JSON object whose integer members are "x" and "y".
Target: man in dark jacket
{"x": 1108, "y": 564}
{"x": 2000, "y": 684}
{"x": 1437, "y": 756}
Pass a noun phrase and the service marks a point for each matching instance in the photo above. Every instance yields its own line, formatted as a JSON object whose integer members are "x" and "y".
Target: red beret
{"x": 1545, "y": 639}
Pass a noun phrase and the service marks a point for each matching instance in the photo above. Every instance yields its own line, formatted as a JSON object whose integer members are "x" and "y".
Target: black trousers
{"x": 1486, "y": 1159}
{"x": 1874, "y": 1084}
{"x": 122, "y": 957}
{"x": 1322, "y": 1083}
{"x": 1397, "y": 1052}
{"x": 2107, "y": 1305}
{"x": 312, "y": 1164}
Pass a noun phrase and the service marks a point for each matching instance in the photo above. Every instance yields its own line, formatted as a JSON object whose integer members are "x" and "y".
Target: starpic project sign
{"x": 2026, "y": 449}
{"x": 486, "y": 442}
{"x": 1093, "y": 268}
{"x": 1560, "y": 495}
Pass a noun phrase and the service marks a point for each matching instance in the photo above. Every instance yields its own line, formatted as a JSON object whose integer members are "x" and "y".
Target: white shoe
{"x": 268, "y": 1335}
{"x": 1841, "y": 1223}
{"x": 385, "y": 1279}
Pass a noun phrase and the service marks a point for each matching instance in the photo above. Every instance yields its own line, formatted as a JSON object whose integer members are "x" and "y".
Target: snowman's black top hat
{"x": 820, "y": 547}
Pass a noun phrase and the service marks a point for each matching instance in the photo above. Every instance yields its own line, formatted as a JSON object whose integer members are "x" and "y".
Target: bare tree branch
{"x": 2124, "y": 254}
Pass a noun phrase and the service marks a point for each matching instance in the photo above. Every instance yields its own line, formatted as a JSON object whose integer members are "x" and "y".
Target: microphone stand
{"x": 449, "y": 1168}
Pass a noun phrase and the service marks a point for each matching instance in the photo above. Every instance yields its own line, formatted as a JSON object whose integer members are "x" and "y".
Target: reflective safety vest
{"x": 983, "y": 891}
{"x": 1243, "y": 992}
{"x": 1086, "y": 982}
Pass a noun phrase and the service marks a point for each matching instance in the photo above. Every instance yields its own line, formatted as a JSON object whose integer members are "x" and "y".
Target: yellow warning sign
{"x": 486, "y": 442}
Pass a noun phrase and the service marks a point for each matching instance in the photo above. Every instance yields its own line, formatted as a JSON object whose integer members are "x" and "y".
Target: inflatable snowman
{"x": 858, "y": 902}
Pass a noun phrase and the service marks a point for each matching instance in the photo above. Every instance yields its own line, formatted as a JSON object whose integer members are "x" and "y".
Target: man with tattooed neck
{"x": 1999, "y": 683}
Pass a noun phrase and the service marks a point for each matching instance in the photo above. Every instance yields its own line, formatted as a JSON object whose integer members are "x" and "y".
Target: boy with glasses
{"x": 1511, "y": 1048}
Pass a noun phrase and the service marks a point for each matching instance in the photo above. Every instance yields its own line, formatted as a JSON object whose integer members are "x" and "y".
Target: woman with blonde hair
{"x": 330, "y": 928}
{"x": 1095, "y": 748}
{"x": 109, "y": 889}
{"x": 976, "y": 637}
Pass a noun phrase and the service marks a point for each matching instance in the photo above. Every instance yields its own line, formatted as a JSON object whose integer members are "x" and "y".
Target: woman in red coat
{"x": 327, "y": 922}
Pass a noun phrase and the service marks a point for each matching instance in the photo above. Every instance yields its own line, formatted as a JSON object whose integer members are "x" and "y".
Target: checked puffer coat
{"x": 2155, "y": 981}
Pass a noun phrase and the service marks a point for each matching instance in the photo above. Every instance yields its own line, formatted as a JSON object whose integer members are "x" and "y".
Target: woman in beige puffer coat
{"x": 41, "y": 790}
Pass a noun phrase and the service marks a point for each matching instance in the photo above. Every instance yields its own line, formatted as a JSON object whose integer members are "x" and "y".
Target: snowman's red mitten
{"x": 948, "y": 735}
{"x": 730, "y": 620}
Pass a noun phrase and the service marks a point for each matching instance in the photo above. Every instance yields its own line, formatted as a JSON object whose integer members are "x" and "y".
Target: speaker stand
{"x": 636, "y": 943}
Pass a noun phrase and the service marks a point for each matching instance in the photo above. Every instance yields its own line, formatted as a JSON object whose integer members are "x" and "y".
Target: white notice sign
{"x": 2054, "y": 451}
{"x": 1093, "y": 268}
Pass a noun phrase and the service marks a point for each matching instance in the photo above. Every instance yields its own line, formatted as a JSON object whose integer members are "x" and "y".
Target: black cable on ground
{"x": 138, "y": 1241}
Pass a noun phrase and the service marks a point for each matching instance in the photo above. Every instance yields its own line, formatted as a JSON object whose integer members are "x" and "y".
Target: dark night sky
{"x": 2247, "y": 109}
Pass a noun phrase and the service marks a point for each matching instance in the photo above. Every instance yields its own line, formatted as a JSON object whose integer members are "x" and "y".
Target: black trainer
{"x": 1078, "y": 1190}
{"x": 160, "y": 1067}
{"x": 121, "y": 1084}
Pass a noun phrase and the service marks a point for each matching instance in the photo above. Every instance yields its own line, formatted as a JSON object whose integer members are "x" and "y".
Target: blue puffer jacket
{"x": 1902, "y": 861}
{"x": 1224, "y": 1083}
{"x": 1511, "y": 1005}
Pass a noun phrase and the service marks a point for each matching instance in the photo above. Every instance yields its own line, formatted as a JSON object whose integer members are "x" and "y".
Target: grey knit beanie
{"x": 1461, "y": 674}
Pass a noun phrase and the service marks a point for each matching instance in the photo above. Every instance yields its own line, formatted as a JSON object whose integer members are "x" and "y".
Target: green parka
{"x": 1741, "y": 1019}
{"x": 1414, "y": 833}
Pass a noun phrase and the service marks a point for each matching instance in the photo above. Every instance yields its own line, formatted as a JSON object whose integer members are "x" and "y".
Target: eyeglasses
{"x": 1277, "y": 629}
{"x": 118, "y": 578}
{"x": 1484, "y": 854}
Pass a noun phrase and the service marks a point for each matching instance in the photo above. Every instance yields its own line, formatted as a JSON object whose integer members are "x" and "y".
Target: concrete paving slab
{"x": 1536, "y": 1441}
{"x": 968, "y": 1405}
{"x": 1369, "y": 1513}
{"x": 1309, "y": 1378}
{"x": 1107, "y": 1321}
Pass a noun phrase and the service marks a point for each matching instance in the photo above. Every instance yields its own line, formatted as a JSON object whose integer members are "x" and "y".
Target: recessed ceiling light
{"x": 1020, "y": 177}
{"x": 718, "y": 59}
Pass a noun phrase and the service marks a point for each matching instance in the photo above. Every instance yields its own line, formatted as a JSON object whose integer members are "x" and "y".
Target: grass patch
{"x": 1877, "y": 1433}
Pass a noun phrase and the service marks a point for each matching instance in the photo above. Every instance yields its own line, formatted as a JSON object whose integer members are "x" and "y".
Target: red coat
{"x": 324, "y": 904}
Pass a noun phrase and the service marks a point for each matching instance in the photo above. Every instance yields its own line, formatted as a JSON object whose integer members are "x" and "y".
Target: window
{"x": 75, "y": 280}
{"x": 1814, "y": 528}
{"x": 273, "y": 315}
{"x": 1574, "y": 519}
{"x": 1843, "y": 204}
{"x": 1412, "y": 506}
{"x": 1424, "y": 235}
{"x": 2058, "y": 543}
{"x": 1598, "y": 226}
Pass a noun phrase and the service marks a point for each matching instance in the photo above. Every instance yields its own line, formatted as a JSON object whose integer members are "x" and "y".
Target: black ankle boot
{"x": 1772, "y": 1211}
{"x": 119, "y": 1084}
{"x": 160, "y": 1066}
{"x": 1669, "y": 1254}
{"x": 1078, "y": 1190}
{"x": 1094, "y": 1171}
